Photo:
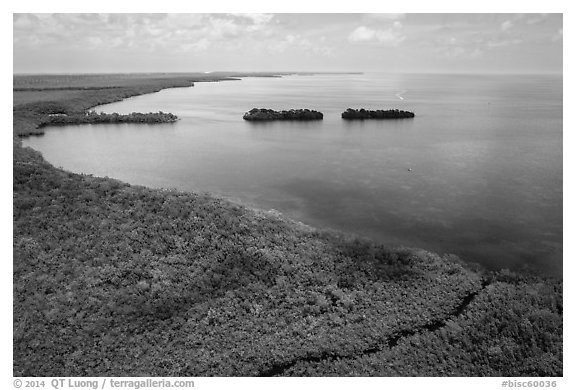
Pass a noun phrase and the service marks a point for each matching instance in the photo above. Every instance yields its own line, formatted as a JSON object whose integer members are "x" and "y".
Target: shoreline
{"x": 101, "y": 266}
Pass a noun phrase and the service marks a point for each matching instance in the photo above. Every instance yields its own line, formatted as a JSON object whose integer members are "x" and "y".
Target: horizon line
{"x": 299, "y": 72}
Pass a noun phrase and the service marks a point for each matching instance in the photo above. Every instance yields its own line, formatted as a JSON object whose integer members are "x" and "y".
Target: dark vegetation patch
{"x": 389, "y": 342}
{"x": 352, "y": 113}
{"x": 508, "y": 329}
{"x": 63, "y": 119}
{"x": 300, "y": 114}
{"x": 118, "y": 280}
{"x": 67, "y": 88}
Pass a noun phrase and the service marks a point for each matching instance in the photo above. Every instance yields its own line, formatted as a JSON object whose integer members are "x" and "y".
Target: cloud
{"x": 265, "y": 40}
{"x": 257, "y": 19}
{"x": 386, "y": 16}
{"x": 196, "y": 46}
{"x": 389, "y": 37}
{"x": 455, "y": 51}
{"x": 181, "y": 32}
{"x": 536, "y": 18}
{"x": 24, "y": 21}
{"x": 473, "y": 43}
{"x": 559, "y": 35}
{"x": 506, "y": 25}
{"x": 296, "y": 41}
{"x": 502, "y": 42}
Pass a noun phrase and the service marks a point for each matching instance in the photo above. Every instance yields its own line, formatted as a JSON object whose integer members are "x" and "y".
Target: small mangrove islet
{"x": 352, "y": 113}
{"x": 263, "y": 114}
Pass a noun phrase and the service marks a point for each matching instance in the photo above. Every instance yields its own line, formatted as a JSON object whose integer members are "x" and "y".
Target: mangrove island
{"x": 352, "y": 113}
{"x": 92, "y": 117}
{"x": 263, "y": 114}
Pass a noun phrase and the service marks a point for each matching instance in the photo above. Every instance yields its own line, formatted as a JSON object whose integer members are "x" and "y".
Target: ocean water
{"x": 477, "y": 172}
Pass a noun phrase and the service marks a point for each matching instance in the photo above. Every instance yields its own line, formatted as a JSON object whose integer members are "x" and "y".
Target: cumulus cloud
{"x": 24, "y": 21}
{"x": 506, "y": 25}
{"x": 257, "y": 19}
{"x": 558, "y": 35}
{"x": 388, "y": 37}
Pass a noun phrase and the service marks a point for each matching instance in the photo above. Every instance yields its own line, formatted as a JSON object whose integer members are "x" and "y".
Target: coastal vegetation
{"x": 93, "y": 117}
{"x": 361, "y": 113}
{"x": 263, "y": 114}
{"x": 36, "y": 103}
{"x": 112, "y": 279}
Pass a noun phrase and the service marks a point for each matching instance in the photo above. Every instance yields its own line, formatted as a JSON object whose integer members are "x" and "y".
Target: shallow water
{"x": 485, "y": 154}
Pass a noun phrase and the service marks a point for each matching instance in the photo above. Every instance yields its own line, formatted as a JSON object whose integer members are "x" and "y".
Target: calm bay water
{"x": 485, "y": 154}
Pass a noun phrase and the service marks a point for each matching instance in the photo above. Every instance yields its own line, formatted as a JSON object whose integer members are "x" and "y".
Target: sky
{"x": 436, "y": 43}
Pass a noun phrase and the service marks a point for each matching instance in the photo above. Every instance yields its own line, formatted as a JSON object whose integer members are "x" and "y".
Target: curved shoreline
{"x": 102, "y": 266}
